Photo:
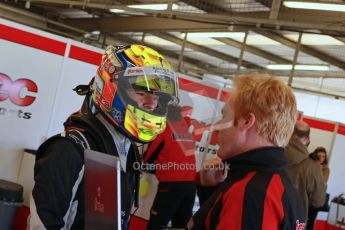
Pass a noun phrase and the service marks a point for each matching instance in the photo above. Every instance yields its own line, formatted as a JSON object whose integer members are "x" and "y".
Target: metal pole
{"x": 84, "y": 5}
{"x": 170, "y": 6}
{"x": 275, "y": 9}
{"x": 143, "y": 37}
{"x": 180, "y": 58}
{"x": 294, "y": 61}
{"x": 239, "y": 63}
{"x": 104, "y": 42}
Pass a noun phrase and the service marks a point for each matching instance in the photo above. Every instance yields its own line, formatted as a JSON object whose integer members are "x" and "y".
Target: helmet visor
{"x": 154, "y": 80}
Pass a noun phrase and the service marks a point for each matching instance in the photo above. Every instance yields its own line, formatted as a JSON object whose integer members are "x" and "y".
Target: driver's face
{"x": 146, "y": 101}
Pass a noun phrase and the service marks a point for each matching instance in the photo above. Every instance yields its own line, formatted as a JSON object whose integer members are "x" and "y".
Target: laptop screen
{"x": 102, "y": 191}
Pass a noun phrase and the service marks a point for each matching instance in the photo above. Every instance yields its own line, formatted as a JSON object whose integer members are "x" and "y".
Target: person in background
{"x": 125, "y": 103}
{"x": 305, "y": 174}
{"x": 173, "y": 155}
{"x": 257, "y": 123}
{"x": 320, "y": 156}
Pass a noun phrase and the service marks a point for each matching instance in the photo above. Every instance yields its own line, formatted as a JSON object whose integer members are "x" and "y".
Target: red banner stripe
{"x": 85, "y": 55}
{"x": 327, "y": 126}
{"x": 341, "y": 129}
{"x": 32, "y": 40}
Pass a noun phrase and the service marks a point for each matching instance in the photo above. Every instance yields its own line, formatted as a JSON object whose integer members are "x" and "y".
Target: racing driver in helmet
{"x": 125, "y": 103}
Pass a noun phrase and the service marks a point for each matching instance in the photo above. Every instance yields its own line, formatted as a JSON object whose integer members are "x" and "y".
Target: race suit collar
{"x": 260, "y": 159}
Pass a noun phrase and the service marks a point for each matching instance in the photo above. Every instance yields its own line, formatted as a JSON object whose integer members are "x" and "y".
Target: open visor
{"x": 151, "y": 79}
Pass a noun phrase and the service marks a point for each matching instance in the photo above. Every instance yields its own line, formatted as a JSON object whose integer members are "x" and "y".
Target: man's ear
{"x": 247, "y": 122}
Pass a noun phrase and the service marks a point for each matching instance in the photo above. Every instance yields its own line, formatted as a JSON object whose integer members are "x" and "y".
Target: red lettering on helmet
{"x": 14, "y": 90}
{"x": 129, "y": 71}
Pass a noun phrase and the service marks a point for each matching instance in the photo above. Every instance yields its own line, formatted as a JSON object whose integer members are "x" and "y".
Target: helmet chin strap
{"x": 86, "y": 90}
{"x": 92, "y": 107}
